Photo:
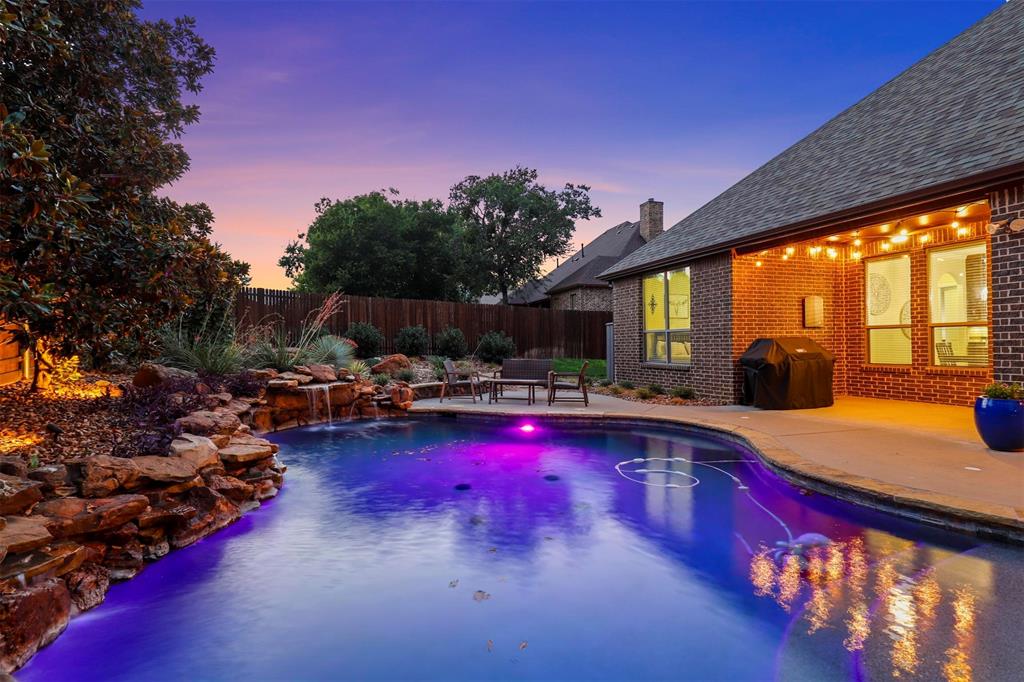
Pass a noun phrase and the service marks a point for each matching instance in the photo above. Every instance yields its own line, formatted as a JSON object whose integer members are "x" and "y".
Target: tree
{"x": 513, "y": 224}
{"x": 378, "y": 245}
{"x": 90, "y": 108}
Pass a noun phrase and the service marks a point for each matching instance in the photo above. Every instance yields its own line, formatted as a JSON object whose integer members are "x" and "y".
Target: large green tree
{"x": 379, "y": 245}
{"x": 513, "y": 224}
{"x": 91, "y": 106}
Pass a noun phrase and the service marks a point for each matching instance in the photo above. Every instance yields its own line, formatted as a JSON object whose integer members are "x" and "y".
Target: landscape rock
{"x": 87, "y": 586}
{"x": 125, "y": 561}
{"x": 199, "y": 451}
{"x": 70, "y": 516}
{"x": 24, "y": 533}
{"x": 31, "y": 618}
{"x": 57, "y": 559}
{"x": 156, "y": 550}
{"x": 230, "y": 487}
{"x": 282, "y": 384}
{"x": 54, "y": 478}
{"x": 391, "y": 364}
{"x": 322, "y": 374}
{"x": 101, "y": 475}
{"x": 152, "y": 374}
{"x": 164, "y": 470}
{"x": 265, "y": 374}
{"x": 18, "y": 494}
{"x": 213, "y": 512}
{"x": 236, "y": 455}
{"x": 402, "y": 397}
{"x": 205, "y": 423}
{"x": 12, "y": 465}
{"x": 300, "y": 379}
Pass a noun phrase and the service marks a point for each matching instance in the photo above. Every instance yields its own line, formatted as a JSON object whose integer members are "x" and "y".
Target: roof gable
{"x": 957, "y": 113}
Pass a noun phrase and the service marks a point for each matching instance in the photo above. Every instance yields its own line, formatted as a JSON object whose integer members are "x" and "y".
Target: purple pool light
{"x": 527, "y": 428}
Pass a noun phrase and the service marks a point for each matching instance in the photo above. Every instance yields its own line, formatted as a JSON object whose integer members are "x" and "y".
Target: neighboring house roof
{"x": 607, "y": 248}
{"x": 956, "y": 114}
{"x": 586, "y": 276}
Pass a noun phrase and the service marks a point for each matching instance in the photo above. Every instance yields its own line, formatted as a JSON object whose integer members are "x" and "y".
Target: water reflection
{"x": 903, "y": 606}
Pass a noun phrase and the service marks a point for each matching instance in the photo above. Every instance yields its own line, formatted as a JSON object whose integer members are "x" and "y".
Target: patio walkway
{"x": 921, "y": 459}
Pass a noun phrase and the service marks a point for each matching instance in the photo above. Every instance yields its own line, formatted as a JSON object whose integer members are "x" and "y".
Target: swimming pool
{"x": 455, "y": 549}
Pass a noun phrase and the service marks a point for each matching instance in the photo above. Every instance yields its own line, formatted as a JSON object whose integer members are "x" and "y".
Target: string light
{"x": 758, "y": 264}
{"x": 790, "y": 250}
{"x": 962, "y": 231}
{"x": 857, "y": 242}
{"x": 856, "y": 255}
{"x": 832, "y": 253}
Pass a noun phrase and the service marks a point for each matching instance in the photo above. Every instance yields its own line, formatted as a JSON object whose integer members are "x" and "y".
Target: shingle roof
{"x": 611, "y": 245}
{"x": 586, "y": 276}
{"x": 957, "y": 113}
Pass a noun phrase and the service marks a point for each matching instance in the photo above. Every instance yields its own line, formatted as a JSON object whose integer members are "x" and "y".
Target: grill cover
{"x": 787, "y": 373}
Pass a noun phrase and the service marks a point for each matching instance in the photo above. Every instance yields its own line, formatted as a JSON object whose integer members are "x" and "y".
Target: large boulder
{"x": 206, "y": 422}
{"x": 322, "y": 374}
{"x": 152, "y": 374}
{"x": 87, "y": 586}
{"x": 18, "y": 494}
{"x": 70, "y": 516}
{"x": 56, "y": 560}
{"x": 31, "y": 618}
{"x": 101, "y": 475}
{"x": 213, "y": 512}
{"x": 402, "y": 397}
{"x": 24, "y": 533}
{"x": 199, "y": 451}
{"x": 392, "y": 364}
{"x": 164, "y": 470}
{"x": 245, "y": 450}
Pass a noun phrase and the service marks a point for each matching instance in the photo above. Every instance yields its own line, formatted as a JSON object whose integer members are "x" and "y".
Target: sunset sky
{"x": 675, "y": 101}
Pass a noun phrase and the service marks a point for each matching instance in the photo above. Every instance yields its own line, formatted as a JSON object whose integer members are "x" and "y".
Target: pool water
{"x": 464, "y": 550}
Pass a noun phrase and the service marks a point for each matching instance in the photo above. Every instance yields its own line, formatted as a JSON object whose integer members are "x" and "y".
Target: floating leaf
{"x": 454, "y": 583}
{"x": 480, "y": 595}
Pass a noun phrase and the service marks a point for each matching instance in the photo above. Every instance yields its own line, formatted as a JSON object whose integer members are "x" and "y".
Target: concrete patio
{"x": 920, "y": 459}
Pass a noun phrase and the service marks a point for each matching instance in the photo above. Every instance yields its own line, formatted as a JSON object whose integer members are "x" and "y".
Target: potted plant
{"x": 999, "y": 416}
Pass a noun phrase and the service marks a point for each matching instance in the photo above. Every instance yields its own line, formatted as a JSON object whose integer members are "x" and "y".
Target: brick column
{"x": 1008, "y": 287}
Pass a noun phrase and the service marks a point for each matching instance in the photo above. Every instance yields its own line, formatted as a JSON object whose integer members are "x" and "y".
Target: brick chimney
{"x": 652, "y": 219}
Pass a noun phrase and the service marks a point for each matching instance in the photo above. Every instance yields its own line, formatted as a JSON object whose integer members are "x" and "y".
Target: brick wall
{"x": 711, "y": 373}
{"x": 768, "y": 300}
{"x": 1008, "y": 288}
{"x": 587, "y": 298}
{"x": 919, "y": 381}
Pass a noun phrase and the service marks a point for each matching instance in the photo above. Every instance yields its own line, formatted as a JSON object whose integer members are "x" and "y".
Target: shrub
{"x": 656, "y": 389}
{"x": 451, "y": 343}
{"x": 999, "y": 391}
{"x": 208, "y": 350}
{"x": 628, "y": 385}
{"x": 152, "y": 411}
{"x": 437, "y": 364}
{"x": 684, "y": 392}
{"x": 644, "y": 393}
{"x": 244, "y": 383}
{"x": 359, "y": 368}
{"x": 367, "y": 338}
{"x": 278, "y": 352}
{"x": 380, "y": 379}
{"x": 412, "y": 341}
{"x": 495, "y": 346}
{"x": 406, "y": 375}
{"x": 615, "y": 390}
{"x": 605, "y": 382}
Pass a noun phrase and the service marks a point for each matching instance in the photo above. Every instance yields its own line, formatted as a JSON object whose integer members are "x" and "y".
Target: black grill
{"x": 788, "y": 373}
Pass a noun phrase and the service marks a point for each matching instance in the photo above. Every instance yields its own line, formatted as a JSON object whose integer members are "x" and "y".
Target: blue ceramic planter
{"x": 1000, "y": 423}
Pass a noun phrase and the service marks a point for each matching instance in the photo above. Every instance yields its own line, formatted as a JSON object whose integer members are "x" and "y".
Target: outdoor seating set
{"x": 528, "y": 374}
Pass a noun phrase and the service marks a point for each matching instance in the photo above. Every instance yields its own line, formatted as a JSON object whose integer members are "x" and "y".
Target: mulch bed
{"x": 630, "y": 394}
{"x": 91, "y": 423}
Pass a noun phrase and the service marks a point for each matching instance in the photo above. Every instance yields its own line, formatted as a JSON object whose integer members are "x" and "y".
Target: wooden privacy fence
{"x": 538, "y": 332}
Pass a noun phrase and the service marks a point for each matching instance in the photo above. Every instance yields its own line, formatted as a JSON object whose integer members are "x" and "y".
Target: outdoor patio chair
{"x": 944, "y": 352}
{"x": 458, "y": 378}
{"x": 569, "y": 381}
{"x": 520, "y": 372}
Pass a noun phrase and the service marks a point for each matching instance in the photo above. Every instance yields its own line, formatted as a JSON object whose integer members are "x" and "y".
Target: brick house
{"x": 901, "y": 220}
{"x": 574, "y": 283}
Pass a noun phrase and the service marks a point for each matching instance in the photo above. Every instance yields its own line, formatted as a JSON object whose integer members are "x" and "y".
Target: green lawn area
{"x": 597, "y": 369}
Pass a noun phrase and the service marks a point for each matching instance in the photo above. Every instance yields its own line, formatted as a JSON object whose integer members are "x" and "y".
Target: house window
{"x": 666, "y": 315}
{"x": 887, "y": 298}
{"x": 572, "y": 301}
{"x": 958, "y": 305}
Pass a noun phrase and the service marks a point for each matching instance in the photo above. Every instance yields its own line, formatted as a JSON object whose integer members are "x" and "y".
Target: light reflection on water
{"x": 435, "y": 550}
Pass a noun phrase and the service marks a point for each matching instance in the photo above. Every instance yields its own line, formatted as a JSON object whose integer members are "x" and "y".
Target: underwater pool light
{"x": 527, "y": 428}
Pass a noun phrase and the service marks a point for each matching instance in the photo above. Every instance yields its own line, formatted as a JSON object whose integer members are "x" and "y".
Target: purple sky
{"x": 675, "y": 101}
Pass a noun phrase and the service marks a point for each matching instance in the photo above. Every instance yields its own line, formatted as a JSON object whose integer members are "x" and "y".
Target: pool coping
{"x": 987, "y": 521}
